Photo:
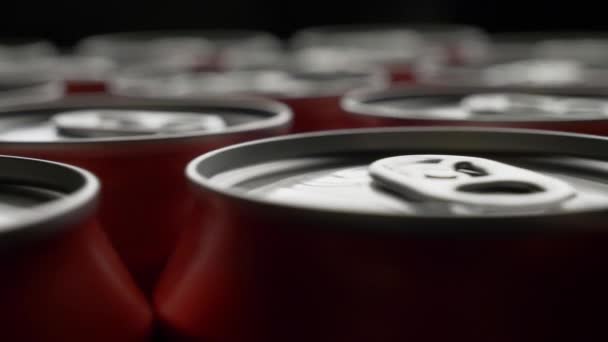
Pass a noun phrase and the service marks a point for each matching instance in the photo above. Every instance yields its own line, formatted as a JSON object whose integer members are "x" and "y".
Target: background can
{"x": 145, "y": 198}
{"x": 569, "y": 109}
{"x": 61, "y": 278}
{"x": 323, "y": 269}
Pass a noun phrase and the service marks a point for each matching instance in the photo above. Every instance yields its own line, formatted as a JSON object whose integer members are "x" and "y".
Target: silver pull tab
{"x": 533, "y": 105}
{"x": 482, "y": 185}
{"x": 110, "y": 122}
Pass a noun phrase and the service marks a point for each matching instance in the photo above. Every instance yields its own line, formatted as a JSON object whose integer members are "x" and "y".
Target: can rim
{"x": 34, "y": 91}
{"x": 280, "y": 116}
{"x": 473, "y": 75}
{"x": 370, "y": 76}
{"x": 212, "y": 36}
{"x": 57, "y": 214}
{"x": 356, "y": 102}
{"x": 578, "y": 145}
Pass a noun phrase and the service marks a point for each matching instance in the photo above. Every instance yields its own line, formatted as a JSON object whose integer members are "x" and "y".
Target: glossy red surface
{"x": 145, "y": 197}
{"x": 318, "y": 113}
{"x": 70, "y": 287}
{"x": 255, "y": 275}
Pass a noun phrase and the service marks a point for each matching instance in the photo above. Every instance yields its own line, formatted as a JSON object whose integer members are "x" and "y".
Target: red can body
{"x": 318, "y": 114}
{"x": 78, "y": 86}
{"x": 145, "y": 202}
{"x": 63, "y": 281}
{"x": 402, "y": 73}
{"x": 267, "y": 277}
{"x": 274, "y": 272}
{"x": 362, "y": 105}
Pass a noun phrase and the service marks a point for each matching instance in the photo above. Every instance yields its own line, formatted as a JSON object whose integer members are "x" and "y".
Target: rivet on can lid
{"x": 122, "y": 122}
{"x": 482, "y": 184}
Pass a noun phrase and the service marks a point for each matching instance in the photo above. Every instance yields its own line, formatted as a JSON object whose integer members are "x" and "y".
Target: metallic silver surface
{"x": 116, "y": 122}
{"x": 29, "y": 126}
{"x": 37, "y": 197}
{"x": 502, "y": 104}
{"x": 327, "y": 173}
{"x": 180, "y": 82}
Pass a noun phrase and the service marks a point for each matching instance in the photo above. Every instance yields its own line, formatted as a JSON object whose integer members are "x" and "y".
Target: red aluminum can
{"x": 16, "y": 91}
{"x": 61, "y": 279}
{"x": 532, "y": 72}
{"x": 138, "y": 148}
{"x": 467, "y": 235}
{"x": 220, "y": 49}
{"x": 76, "y": 74}
{"x": 541, "y": 59}
{"x": 567, "y": 109}
{"x": 404, "y": 50}
{"x": 20, "y": 49}
{"x": 243, "y": 49}
{"x": 396, "y": 48}
{"x": 313, "y": 95}
{"x": 81, "y": 74}
{"x": 590, "y": 47}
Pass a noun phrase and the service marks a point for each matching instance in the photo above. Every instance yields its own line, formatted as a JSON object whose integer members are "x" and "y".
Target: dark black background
{"x": 65, "y": 22}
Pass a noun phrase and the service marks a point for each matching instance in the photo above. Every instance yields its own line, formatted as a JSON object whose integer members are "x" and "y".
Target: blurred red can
{"x": 568, "y": 109}
{"x": 589, "y": 47}
{"x": 76, "y": 74}
{"x": 21, "y": 49}
{"x": 531, "y": 59}
{"x": 498, "y": 235}
{"x": 456, "y": 44}
{"x": 313, "y": 95}
{"x": 138, "y": 148}
{"x": 16, "y": 91}
{"x": 61, "y": 279}
{"x": 81, "y": 74}
{"x": 129, "y": 48}
{"x": 218, "y": 49}
{"x": 404, "y": 50}
{"x": 398, "y": 49}
{"x": 534, "y": 72}
{"x": 243, "y": 49}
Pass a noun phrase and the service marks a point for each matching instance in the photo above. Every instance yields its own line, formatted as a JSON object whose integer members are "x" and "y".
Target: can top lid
{"x": 127, "y": 49}
{"x": 589, "y": 50}
{"x": 495, "y": 104}
{"x": 25, "y": 48}
{"x": 342, "y": 175}
{"x": 109, "y": 119}
{"x": 57, "y": 68}
{"x": 116, "y": 122}
{"x": 22, "y": 91}
{"x": 38, "y": 197}
{"x": 356, "y": 45}
{"x": 178, "y": 82}
{"x": 540, "y": 72}
{"x": 198, "y": 46}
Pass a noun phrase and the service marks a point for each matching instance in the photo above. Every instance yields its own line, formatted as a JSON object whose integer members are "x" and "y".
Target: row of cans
{"x": 157, "y": 212}
{"x": 435, "y": 54}
{"x": 384, "y": 233}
